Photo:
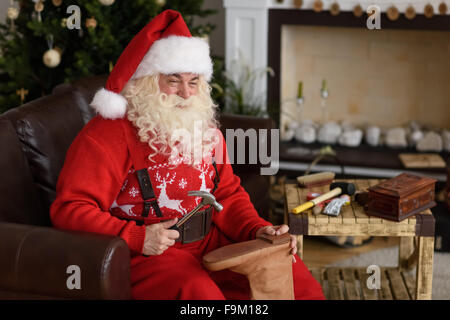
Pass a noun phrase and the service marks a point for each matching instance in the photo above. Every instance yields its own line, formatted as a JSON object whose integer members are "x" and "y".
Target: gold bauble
{"x": 107, "y": 2}
{"x": 410, "y": 13}
{"x": 57, "y": 3}
{"x": 428, "y": 11}
{"x": 12, "y": 13}
{"x": 39, "y": 6}
{"x": 334, "y": 9}
{"x": 298, "y": 3}
{"x": 317, "y": 5}
{"x": 443, "y": 8}
{"x": 91, "y": 23}
{"x": 52, "y": 58}
{"x": 358, "y": 11}
{"x": 392, "y": 13}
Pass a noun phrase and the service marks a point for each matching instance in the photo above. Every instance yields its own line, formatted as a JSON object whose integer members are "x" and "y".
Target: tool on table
{"x": 335, "y": 205}
{"x": 336, "y": 189}
{"x": 317, "y": 209}
{"x": 207, "y": 199}
{"x": 315, "y": 180}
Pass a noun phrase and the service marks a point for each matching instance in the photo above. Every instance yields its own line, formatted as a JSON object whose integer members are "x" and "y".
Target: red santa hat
{"x": 165, "y": 46}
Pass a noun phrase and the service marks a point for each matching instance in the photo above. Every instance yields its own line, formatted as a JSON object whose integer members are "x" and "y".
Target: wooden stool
{"x": 265, "y": 261}
{"x": 350, "y": 283}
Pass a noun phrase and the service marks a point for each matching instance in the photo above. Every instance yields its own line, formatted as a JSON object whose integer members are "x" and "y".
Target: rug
{"x": 388, "y": 257}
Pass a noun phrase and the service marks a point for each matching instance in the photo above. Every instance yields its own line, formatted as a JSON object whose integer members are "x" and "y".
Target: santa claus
{"x": 129, "y": 170}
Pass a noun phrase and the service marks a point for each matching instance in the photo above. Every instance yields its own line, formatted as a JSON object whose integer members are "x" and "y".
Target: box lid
{"x": 401, "y": 185}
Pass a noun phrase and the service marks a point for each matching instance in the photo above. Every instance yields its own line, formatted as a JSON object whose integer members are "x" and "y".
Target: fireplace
{"x": 386, "y": 76}
{"x": 416, "y": 89}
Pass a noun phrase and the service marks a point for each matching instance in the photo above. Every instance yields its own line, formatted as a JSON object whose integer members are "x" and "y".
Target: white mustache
{"x": 174, "y": 101}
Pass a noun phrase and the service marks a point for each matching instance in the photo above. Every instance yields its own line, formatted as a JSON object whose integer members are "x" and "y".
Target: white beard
{"x": 181, "y": 128}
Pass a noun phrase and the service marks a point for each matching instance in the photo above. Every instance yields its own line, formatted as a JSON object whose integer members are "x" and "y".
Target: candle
{"x": 324, "y": 85}
{"x": 300, "y": 90}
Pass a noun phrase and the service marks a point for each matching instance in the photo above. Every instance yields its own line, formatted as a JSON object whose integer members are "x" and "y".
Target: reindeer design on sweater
{"x": 163, "y": 199}
{"x": 127, "y": 208}
{"x": 203, "y": 172}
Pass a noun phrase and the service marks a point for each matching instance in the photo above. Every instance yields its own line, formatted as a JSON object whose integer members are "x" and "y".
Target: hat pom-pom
{"x": 109, "y": 105}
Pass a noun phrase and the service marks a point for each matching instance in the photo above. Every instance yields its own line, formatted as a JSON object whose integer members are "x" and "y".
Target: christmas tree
{"x": 47, "y": 42}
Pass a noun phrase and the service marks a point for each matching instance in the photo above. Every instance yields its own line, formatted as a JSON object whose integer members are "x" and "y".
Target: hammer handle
{"x": 330, "y": 194}
{"x": 187, "y": 216}
{"x": 315, "y": 201}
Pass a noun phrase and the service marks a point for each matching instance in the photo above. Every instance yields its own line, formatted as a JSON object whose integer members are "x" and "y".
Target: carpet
{"x": 388, "y": 257}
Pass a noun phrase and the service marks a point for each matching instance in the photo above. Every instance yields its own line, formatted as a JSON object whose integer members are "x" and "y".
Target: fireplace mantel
{"x": 253, "y": 28}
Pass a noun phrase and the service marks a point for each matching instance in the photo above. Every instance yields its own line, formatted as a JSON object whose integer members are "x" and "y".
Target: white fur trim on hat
{"x": 109, "y": 105}
{"x": 176, "y": 54}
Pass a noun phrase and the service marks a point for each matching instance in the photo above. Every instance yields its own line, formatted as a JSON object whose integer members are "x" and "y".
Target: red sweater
{"x": 97, "y": 185}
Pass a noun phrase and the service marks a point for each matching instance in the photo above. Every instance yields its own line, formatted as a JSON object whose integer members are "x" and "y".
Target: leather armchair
{"x": 34, "y": 139}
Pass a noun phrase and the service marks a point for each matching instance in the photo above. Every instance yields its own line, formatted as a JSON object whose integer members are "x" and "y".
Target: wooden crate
{"x": 351, "y": 284}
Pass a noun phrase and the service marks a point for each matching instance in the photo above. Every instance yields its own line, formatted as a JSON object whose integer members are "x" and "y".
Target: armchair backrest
{"x": 18, "y": 196}
{"x": 45, "y": 128}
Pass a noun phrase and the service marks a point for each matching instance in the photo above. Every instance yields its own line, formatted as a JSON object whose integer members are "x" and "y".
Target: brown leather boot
{"x": 265, "y": 261}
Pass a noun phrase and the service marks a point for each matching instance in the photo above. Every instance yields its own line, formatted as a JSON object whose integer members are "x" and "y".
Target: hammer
{"x": 207, "y": 199}
{"x": 336, "y": 189}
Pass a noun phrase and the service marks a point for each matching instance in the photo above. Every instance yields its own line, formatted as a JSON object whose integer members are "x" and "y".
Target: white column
{"x": 246, "y": 35}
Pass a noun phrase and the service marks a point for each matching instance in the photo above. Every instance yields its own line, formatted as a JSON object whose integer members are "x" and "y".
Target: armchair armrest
{"x": 37, "y": 261}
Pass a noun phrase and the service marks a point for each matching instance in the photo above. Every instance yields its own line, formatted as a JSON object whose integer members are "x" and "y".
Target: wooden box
{"x": 400, "y": 197}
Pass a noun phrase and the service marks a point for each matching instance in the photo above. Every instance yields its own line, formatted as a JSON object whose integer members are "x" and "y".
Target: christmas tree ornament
{"x": 323, "y": 100}
{"x": 428, "y": 11}
{"x": 91, "y": 23}
{"x": 410, "y": 13}
{"x": 205, "y": 37}
{"x": 39, "y": 7}
{"x": 443, "y": 8}
{"x": 12, "y": 14}
{"x": 392, "y": 13}
{"x": 357, "y": 11}
{"x": 317, "y": 5}
{"x": 64, "y": 22}
{"x": 161, "y": 3}
{"x": 52, "y": 58}
{"x": 59, "y": 50}
{"x": 22, "y": 93}
{"x": 300, "y": 97}
{"x": 107, "y": 2}
{"x": 334, "y": 9}
{"x": 298, "y": 3}
{"x": 57, "y": 3}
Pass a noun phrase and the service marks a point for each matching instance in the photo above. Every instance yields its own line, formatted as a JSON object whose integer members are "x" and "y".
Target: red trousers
{"x": 178, "y": 273}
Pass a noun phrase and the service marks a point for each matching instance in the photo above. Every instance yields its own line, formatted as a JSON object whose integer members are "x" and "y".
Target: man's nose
{"x": 184, "y": 90}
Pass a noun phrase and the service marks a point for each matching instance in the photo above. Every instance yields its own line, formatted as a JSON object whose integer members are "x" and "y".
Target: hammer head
{"x": 347, "y": 188}
{"x": 207, "y": 198}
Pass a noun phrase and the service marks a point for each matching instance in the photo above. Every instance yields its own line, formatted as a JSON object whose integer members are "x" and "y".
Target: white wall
{"x": 217, "y": 37}
{"x": 4, "y": 4}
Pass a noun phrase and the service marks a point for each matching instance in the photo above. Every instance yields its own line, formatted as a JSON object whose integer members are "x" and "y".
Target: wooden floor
{"x": 349, "y": 283}
{"x": 318, "y": 252}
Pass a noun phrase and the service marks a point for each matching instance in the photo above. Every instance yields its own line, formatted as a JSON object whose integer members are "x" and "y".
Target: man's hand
{"x": 279, "y": 230}
{"x": 158, "y": 237}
